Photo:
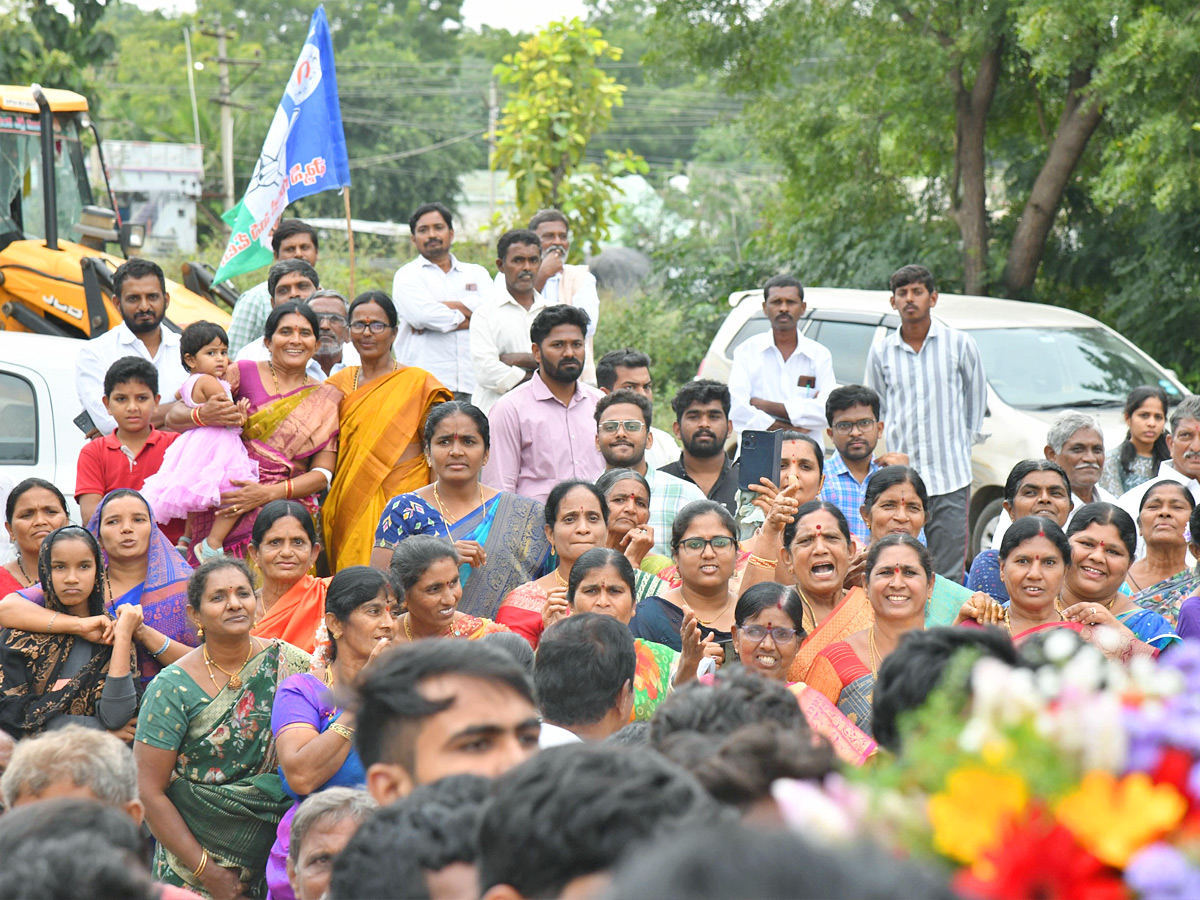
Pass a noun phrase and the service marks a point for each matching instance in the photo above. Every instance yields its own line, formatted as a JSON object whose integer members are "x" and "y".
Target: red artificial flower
{"x": 1039, "y": 858}
{"x": 1173, "y": 768}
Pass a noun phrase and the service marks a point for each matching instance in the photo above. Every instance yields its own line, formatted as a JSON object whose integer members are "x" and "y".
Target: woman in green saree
{"x": 205, "y": 755}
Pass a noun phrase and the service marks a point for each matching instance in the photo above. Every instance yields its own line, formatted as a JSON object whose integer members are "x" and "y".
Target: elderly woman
{"x": 627, "y": 494}
{"x": 314, "y": 737}
{"x": 498, "y": 534}
{"x": 205, "y": 750}
{"x": 899, "y": 584}
{"x": 1162, "y": 579}
{"x": 32, "y": 510}
{"x": 54, "y": 677}
{"x": 380, "y": 456}
{"x": 1035, "y": 487}
{"x": 291, "y": 602}
{"x": 291, "y": 431}
{"x": 425, "y": 578}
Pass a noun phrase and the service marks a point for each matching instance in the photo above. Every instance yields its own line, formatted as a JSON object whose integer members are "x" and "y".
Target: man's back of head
{"x": 734, "y": 699}
{"x": 584, "y": 675}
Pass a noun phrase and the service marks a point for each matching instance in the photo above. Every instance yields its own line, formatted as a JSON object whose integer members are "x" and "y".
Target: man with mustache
{"x": 334, "y": 350}
{"x": 780, "y": 379}
{"x": 542, "y": 430}
{"x": 702, "y": 426}
{"x": 559, "y": 282}
{"x": 436, "y": 295}
{"x": 933, "y": 396}
{"x": 500, "y": 327}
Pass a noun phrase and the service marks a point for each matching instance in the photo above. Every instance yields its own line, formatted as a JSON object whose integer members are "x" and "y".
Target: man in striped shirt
{"x": 934, "y": 395}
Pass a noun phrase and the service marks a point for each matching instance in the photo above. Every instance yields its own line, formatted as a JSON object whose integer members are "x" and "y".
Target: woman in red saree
{"x": 291, "y": 602}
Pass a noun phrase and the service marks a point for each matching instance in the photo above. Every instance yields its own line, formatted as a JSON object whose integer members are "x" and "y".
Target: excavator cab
{"x": 55, "y": 273}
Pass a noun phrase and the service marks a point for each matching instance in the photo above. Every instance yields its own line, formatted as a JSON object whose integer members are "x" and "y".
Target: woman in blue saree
{"x": 498, "y": 535}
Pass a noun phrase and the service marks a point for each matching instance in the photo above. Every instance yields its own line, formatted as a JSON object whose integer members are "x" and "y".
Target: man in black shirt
{"x": 703, "y": 427}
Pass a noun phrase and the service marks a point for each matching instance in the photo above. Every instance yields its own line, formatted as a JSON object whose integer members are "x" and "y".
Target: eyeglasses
{"x": 331, "y": 318}
{"x": 696, "y": 545}
{"x": 847, "y": 427}
{"x": 374, "y": 327}
{"x": 633, "y": 426}
{"x": 779, "y": 634}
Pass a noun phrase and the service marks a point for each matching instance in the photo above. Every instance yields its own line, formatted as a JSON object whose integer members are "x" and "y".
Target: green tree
{"x": 43, "y": 44}
{"x": 560, "y": 99}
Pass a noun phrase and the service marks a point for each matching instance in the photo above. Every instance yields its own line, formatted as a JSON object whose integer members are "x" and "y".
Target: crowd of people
{"x": 247, "y": 647}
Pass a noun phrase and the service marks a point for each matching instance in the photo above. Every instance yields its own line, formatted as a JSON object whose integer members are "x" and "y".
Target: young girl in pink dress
{"x": 207, "y": 460}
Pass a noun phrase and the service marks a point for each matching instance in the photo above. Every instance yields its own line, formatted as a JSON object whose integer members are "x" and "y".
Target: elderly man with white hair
{"x": 1076, "y": 442}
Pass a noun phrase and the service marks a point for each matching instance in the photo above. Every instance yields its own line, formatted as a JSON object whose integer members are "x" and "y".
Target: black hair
{"x": 910, "y": 673}
{"x": 95, "y": 600}
{"x": 282, "y": 509}
{"x": 394, "y": 849}
{"x": 559, "y": 492}
{"x": 890, "y": 476}
{"x": 776, "y": 863}
{"x": 695, "y": 509}
{"x": 23, "y": 487}
{"x": 607, "y": 365}
{"x": 807, "y": 509}
{"x": 572, "y": 812}
{"x": 449, "y": 408}
{"x": 1168, "y": 483}
{"x": 1027, "y": 467}
{"x": 818, "y": 451}
{"x": 599, "y": 558}
{"x": 625, "y": 396}
{"x": 390, "y": 704}
{"x": 426, "y": 208}
{"x": 515, "y": 236}
{"x": 770, "y": 595}
{"x": 288, "y": 266}
{"x": 1194, "y": 525}
{"x": 349, "y": 589}
{"x": 902, "y": 540}
{"x": 136, "y": 267}
{"x": 198, "y": 580}
{"x": 547, "y": 215}
{"x": 1160, "y": 452}
{"x": 610, "y": 478}
{"x": 700, "y": 391}
{"x": 290, "y": 308}
{"x": 583, "y": 662}
{"x": 848, "y": 395}
{"x": 911, "y": 274}
{"x": 380, "y": 299}
{"x": 196, "y": 337}
{"x": 290, "y": 228}
{"x": 412, "y": 558}
{"x": 782, "y": 281}
{"x": 1029, "y": 527}
{"x": 514, "y": 645}
{"x": 1106, "y": 514}
{"x": 120, "y": 494}
{"x": 635, "y": 734}
{"x": 130, "y": 369}
{"x": 553, "y": 316}
{"x": 735, "y": 698}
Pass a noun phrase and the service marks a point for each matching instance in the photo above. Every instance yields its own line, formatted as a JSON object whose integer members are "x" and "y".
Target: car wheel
{"x": 985, "y": 526}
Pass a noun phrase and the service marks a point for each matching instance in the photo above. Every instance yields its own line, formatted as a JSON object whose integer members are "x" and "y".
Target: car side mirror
{"x": 131, "y": 237}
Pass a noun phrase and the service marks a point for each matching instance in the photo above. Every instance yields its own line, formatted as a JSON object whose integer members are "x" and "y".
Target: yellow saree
{"x": 853, "y": 613}
{"x": 378, "y": 422}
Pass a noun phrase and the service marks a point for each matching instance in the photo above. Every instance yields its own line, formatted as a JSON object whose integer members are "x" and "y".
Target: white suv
{"x": 1039, "y": 361}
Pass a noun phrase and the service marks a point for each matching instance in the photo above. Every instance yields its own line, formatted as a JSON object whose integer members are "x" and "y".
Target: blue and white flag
{"x": 304, "y": 153}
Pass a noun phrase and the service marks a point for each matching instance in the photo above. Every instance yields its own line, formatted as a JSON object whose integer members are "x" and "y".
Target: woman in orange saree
{"x": 379, "y": 455}
{"x": 291, "y": 602}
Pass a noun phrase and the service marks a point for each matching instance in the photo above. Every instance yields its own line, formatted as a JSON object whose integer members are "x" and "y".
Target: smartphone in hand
{"x": 760, "y": 457}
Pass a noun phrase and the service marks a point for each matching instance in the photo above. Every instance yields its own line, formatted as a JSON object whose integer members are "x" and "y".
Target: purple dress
{"x": 198, "y": 466}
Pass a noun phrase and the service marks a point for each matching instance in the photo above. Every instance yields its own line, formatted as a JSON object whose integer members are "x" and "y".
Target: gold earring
{"x": 337, "y": 635}
{"x": 200, "y": 632}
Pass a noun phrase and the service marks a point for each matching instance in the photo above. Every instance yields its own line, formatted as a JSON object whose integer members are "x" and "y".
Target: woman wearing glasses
{"x": 380, "y": 455}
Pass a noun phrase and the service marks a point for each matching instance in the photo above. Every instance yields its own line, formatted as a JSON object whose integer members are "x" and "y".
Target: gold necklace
{"x": 437, "y": 498}
{"x": 235, "y": 680}
{"x": 1008, "y": 621}
{"x": 559, "y": 579}
{"x": 275, "y": 378}
{"x": 358, "y": 371}
{"x": 720, "y": 613}
{"x": 408, "y": 628}
{"x": 873, "y": 651}
{"x": 808, "y": 614}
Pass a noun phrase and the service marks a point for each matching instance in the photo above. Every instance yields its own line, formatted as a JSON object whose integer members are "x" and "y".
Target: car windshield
{"x": 1049, "y": 368}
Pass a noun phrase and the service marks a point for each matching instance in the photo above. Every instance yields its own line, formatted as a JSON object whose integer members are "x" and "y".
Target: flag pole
{"x": 350, "y": 235}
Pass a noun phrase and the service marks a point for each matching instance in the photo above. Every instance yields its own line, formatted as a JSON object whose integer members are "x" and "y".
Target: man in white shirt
{"x": 436, "y": 295}
{"x": 287, "y": 280}
{"x": 140, "y": 296}
{"x": 781, "y": 379}
{"x": 291, "y": 239}
{"x": 629, "y": 370}
{"x": 561, "y": 283}
{"x": 500, "y": 347}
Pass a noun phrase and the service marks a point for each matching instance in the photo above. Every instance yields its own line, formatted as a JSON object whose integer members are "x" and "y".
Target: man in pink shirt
{"x": 543, "y": 431}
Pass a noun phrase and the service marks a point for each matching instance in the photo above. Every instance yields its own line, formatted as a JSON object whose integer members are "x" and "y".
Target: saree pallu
{"x": 224, "y": 784}
{"x": 647, "y": 585}
{"x": 378, "y": 423}
{"x": 1022, "y": 636}
{"x": 652, "y": 677}
{"x": 296, "y": 615}
{"x": 1167, "y": 596}
{"x": 521, "y": 611}
{"x": 508, "y": 527}
{"x": 280, "y": 437}
{"x": 1149, "y": 627}
{"x": 852, "y": 613}
{"x": 849, "y": 742}
{"x": 473, "y": 628}
{"x": 944, "y": 604}
{"x": 842, "y": 677}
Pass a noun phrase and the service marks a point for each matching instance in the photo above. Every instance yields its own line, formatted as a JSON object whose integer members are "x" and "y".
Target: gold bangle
{"x": 203, "y": 862}
{"x": 338, "y": 728}
{"x": 762, "y": 563}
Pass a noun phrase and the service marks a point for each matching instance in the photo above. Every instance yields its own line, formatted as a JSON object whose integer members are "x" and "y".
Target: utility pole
{"x": 226, "y": 102}
{"x": 187, "y": 43}
{"x": 493, "y": 115}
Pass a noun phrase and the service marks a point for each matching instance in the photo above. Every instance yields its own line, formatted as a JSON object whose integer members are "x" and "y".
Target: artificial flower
{"x": 1160, "y": 872}
{"x": 1113, "y": 819}
{"x": 968, "y": 815}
